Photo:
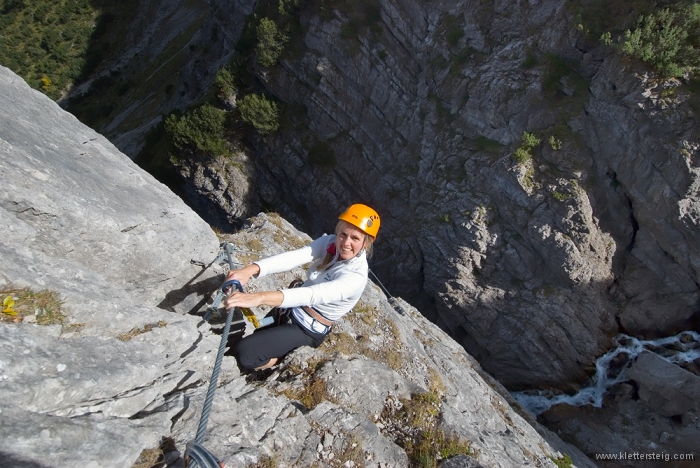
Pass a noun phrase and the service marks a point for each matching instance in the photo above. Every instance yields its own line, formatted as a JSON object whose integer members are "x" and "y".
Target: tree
{"x": 271, "y": 42}
{"x": 667, "y": 40}
{"x": 202, "y": 128}
{"x": 260, "y": 112}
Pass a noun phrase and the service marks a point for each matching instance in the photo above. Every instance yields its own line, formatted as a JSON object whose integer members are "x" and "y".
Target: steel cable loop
{"x": 197, "y": 456}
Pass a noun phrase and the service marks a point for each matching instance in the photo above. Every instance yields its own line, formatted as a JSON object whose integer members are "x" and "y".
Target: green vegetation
{"x": 529, "y": 140}
{"x": 364, "y": 319}
{"x": 363, "y": 16}
{"x": 266, "y": 461}
{"x": 226, "y": 83}
{"x": 148, "y": 458}
{"x": 560, "y": 196}
{"x": 598, "y": 16}
{"x": 669, "y": 40}
{"x": 45, "y": 305}
{"x": 151, "y": 457}
{"x": 555, "y": 143}
{"x": 665, "y": 35}
{"x": 46, "y": 42}
{"x": 260, "y": 112}
{"x": 563, "y": 462}
{"x": 524, "y": 152}
{"x": 271, "y": 42}
{"x": 313, "y": 391}
{"x": 416, "y": 430}
{"x": 200, "y": 129}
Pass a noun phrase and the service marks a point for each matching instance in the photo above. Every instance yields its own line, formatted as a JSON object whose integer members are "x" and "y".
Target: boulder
{"x": 665, "y": 387}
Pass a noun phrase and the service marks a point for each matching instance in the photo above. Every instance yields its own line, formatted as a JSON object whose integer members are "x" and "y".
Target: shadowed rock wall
{"x": 531, "y": 265}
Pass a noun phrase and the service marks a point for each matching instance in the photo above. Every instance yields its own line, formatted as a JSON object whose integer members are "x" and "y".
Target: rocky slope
{"x": 417, "y": 108}
{"x": 128, "y": 368}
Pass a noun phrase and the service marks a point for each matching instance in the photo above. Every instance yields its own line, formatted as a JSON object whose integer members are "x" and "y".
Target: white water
{"x": 684, "y": 347}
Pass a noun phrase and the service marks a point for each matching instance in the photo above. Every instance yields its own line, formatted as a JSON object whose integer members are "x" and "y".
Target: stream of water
{"x": 611, "y": 369}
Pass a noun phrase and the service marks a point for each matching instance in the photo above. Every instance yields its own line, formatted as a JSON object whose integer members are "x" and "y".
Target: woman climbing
{"x": 335, "y": 283}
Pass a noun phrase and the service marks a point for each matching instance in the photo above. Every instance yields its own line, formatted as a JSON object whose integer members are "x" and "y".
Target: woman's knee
{"x": 245, "y": 356}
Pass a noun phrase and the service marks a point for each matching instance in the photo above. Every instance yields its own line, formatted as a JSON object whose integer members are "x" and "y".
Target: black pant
{"x": 257, "y": 349}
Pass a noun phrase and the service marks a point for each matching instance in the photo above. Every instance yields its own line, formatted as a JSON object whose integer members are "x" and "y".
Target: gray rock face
{"x": 530, "y": 264}
{"x": 129, "y": 368}
{"x": 222, "y": 189}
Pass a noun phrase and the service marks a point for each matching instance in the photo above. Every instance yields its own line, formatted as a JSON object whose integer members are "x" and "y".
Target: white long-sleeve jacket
{"x": 333, "y": 292}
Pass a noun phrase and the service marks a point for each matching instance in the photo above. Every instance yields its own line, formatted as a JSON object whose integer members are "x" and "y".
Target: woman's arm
{"x": 269, "y": 298}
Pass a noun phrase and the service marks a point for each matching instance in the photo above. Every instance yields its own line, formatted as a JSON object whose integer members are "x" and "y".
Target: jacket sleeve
{"x": 294, "y": 258}
{"x": 347, "y": 286}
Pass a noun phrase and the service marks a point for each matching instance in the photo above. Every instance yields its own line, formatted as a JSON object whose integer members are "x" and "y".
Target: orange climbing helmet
{"x": 363, "y": 217}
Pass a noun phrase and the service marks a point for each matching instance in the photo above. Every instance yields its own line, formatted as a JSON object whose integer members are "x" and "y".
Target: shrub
{"x": 522, "y": 155}
{"x": 667, "y": 40}
{"x": 453, "y": 30}
{"x": 260, "y": 112}
{"x": 286, "y": 7}
{"x": 560, "y": 196}
{"x": 524, "y": 152}
{"x": 202, "y": 129}
{"x": 529, "y": 140}
{"x": 555, "y": 143}
{"x": 226, "y": 83}
{"x": 270, "y": 43}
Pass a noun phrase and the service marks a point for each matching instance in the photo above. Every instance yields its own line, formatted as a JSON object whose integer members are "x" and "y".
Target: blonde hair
{"x": 366, "y": 246}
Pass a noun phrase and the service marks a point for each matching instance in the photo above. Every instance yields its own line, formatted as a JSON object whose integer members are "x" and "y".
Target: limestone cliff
{"x": 128, "y": 367}
{"x": 533, "y": 265}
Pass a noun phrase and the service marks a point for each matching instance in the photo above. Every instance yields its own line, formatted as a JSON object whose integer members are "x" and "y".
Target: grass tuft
{"x": 413, "y": 425}
{"x": 139, "y": 331}
{"x": 18, "y": 303}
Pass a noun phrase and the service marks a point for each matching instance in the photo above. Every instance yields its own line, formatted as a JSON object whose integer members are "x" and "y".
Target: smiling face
{"x": 349, "y": 240}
